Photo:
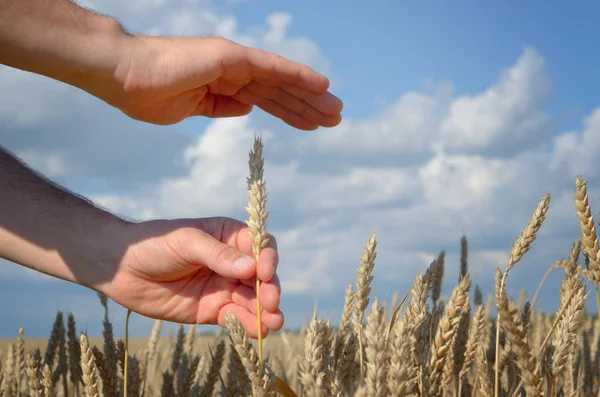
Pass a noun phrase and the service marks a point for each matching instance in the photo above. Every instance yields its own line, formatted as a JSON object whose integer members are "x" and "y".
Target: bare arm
{"x": 61, "y": 40}
{"x": 51, "y": 230}
{"x": 187, "y": 270}
{"x": 182, "y": 270}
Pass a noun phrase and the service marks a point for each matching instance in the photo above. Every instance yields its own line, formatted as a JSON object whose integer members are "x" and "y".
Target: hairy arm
{"x": 51, "y": 230}
{"x": 61, "y": 40}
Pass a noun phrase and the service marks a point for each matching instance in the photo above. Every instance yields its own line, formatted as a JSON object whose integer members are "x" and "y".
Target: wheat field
{"x": 419, "y": 344}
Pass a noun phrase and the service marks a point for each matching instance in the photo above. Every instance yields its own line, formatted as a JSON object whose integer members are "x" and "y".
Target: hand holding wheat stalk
{"x": 257, "y": 201}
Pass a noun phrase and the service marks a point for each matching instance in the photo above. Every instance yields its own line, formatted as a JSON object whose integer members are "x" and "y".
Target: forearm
{"x": 46, "y": 228}
{"x": 61, "y": 40}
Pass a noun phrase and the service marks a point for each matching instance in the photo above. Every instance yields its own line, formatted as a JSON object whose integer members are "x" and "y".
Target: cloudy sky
{"x": 457, "y": 120}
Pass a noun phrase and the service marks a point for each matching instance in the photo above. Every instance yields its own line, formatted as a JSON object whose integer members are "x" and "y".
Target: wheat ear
{"x": 446, "y": 331}
{"x": 516, "y": 333}
{"x": 521, "y": 245}
{"x": 88, "y": 367}
{"x": 476, "y": 334}
{"x": 363, "y": 289}
{"x": 33, "y": 374}
{"x": 74, "y": 353}
{"x": 257, "y": 201}
{"x": 312, "y": 367}
{"x": 150, "y": 352}
{"x": 376, "y": 352}
{"x": 485, "y": 385}
{"x": 263, "y": 383}
{"x": 47, "y": 380}
{"x": 589, "y": 238}
{"x": 344, "y": 327}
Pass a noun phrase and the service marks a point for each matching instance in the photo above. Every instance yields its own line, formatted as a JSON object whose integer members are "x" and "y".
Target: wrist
{"x": 105, "y": 50}
{"x": 101, "y": 253}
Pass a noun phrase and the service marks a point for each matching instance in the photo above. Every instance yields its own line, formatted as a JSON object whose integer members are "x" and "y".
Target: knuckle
{"x": 222, "y": 253}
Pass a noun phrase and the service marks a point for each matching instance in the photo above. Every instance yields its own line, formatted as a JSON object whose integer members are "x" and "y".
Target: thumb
{"x": 221, "y": 258}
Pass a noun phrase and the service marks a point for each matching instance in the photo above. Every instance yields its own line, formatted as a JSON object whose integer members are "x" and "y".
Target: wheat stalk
{"x": 126, "y": 354}
{"x": 257, "y": 201}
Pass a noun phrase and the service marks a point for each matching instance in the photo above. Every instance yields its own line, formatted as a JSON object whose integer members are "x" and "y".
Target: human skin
{"x": 182, "y": 270}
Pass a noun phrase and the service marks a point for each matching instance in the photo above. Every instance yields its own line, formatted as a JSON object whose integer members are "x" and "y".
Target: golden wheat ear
{"x": 257, "y": 202}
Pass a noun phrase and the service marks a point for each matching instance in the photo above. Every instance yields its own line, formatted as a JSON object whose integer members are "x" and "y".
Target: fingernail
{"x": 243, "y": 262}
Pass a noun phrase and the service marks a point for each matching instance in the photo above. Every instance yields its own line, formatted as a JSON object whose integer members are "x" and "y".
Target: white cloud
{"x": 509, "y": 115}
{"x": 25, "y": 102}
{"x": 576, "y": 151}
{"x": 218, "y": 165}
{"x": 426, "y": 169}
{"x": 416, "y": 208}
{"x": 406, "y": 128}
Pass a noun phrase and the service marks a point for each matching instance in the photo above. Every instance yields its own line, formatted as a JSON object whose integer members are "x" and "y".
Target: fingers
{"x": 235, "y": 234}
{"x": 199, "y": 248}
{"x": 271, "y": 316}
{"x": 269, "y": 296}
{"x": 268, "y": 260}
{"x": 268, "y": 66}
{"x": 286, "y": 89}
{"x": 291, "y": 109}
{"x": 224, "y": 240}
{"x": 278, "y": 111}
{"x": 325, "y": 103}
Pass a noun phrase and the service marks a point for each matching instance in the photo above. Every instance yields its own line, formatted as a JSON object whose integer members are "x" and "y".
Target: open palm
{"x": 170, "y": 79}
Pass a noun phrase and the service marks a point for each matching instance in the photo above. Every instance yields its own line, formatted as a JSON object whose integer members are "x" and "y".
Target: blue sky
{"x": 387, "y": 47}
{"x": 457, "y": 119}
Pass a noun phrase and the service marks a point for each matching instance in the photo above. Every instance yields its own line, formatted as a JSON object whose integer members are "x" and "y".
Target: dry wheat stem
{"x": 539, "y": 287}
{"x": 395, "y": 314}
{"x": 20, "y": 370}
{"x": 126, "y": 357}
